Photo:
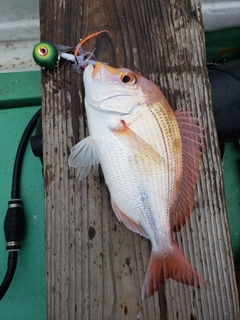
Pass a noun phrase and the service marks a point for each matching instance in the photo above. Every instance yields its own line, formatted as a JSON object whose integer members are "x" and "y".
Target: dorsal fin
{"x": 192, "y": 136}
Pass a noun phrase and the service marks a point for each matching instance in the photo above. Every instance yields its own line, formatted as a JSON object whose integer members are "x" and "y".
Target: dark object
{"x": 225, "y": 83}
{"x": 36, "y": 141}
{"x": 11, "y": 267}
{"x": 14, "y": 221}
{"x": 14, "y": 225}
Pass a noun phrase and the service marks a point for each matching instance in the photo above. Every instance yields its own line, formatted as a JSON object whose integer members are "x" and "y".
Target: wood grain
{"x": 95, "y": 265}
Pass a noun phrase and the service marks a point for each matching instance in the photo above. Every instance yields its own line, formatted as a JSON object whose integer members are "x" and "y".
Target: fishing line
{"x": 84, "y": 33}
{"x": 58, "y": 69}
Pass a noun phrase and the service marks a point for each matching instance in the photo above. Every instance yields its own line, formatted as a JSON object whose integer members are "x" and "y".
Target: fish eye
{"x": 128, "y": 78}
{"x": 43, "y": 51}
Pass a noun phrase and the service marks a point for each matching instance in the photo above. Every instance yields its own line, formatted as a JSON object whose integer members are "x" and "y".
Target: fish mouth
{"x": 96, "y": 70}
{"x": 104, "y": 72}
{"x": 96, "y": 73}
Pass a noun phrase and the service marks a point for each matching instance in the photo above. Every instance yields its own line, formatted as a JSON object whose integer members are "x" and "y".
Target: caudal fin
{"x": 173, "y": 265}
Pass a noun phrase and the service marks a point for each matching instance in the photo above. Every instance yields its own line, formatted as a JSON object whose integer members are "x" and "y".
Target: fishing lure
{"x": 47, "y": 55}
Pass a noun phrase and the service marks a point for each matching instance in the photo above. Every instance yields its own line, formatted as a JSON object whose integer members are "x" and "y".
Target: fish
{"x": 150, "y": 157}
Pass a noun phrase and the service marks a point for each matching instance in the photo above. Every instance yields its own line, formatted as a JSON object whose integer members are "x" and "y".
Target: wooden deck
{"x": 95, "y": 265}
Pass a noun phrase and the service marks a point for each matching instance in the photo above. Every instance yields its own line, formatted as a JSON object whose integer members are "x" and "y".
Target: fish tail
{"x": 171, "y": 265}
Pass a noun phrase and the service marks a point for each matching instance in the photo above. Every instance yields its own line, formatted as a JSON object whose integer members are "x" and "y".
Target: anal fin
{"x": 129, "y": 223}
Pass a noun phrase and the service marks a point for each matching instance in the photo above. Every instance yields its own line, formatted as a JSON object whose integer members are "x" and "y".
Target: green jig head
{"x": 45, "y": 54}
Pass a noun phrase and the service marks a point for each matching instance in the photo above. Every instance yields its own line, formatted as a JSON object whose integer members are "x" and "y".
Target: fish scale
{"x": 152, "y": 177}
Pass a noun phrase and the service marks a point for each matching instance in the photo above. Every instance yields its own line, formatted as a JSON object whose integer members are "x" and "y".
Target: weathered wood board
{"x": 95, "y": 265}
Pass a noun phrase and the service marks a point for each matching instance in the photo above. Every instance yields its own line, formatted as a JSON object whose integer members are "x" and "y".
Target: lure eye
{"x": 45, "y": 54}
{"x": 43, "y": 51}
{"x": 128, "y": 78}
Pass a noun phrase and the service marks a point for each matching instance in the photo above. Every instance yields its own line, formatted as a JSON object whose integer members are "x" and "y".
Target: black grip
{"x": 14, "y": 225}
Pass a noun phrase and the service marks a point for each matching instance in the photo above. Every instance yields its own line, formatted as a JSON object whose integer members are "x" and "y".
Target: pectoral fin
{"x": 134, "y": 142}
{"x": 83, "y": 156}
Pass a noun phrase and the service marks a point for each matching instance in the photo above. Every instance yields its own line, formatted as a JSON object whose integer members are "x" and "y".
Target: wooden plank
{"x": 95, "y": 266}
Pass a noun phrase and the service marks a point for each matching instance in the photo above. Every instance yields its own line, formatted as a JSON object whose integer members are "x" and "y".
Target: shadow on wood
{"x": 95, "y": 265}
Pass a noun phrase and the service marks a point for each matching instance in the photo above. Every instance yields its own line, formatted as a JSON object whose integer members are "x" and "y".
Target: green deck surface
{"x": 223, "y": 45}
{"x": 20, "y": 89}
{"x": 20, "y": 98}
{"x": 25, "y": 298}
{"x": 231, "y": 174}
